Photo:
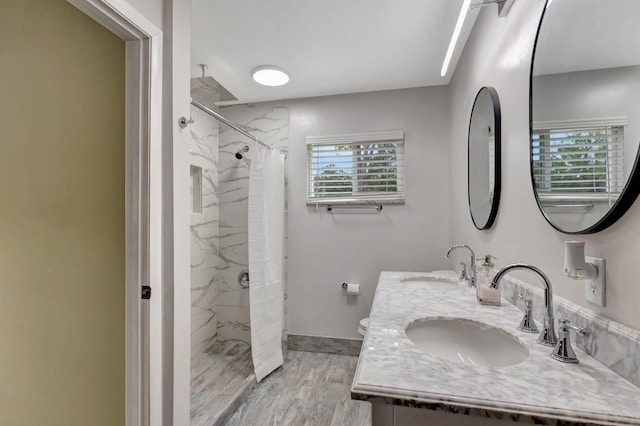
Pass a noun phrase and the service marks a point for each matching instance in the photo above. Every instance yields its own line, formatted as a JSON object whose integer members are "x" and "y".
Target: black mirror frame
{"x": 630, "y": 191}
{"x": 497, "y": 119}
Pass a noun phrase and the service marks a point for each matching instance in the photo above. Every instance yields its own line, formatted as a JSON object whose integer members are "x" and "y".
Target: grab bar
{"x": 378, "y": 207}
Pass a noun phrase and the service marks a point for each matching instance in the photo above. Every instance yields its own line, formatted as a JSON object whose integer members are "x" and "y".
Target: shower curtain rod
{"x": 229, "y": 123}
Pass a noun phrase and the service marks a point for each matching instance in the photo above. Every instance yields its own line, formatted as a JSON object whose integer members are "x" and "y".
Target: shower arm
{"x": 229, "y": 123}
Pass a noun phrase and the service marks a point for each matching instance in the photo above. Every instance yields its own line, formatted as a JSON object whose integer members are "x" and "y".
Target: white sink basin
{"x": 433, "y": 283}
{"x": 467, "y": 342}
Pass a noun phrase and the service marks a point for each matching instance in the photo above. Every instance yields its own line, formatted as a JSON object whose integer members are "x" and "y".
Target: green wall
{"x": 61, "y": 217}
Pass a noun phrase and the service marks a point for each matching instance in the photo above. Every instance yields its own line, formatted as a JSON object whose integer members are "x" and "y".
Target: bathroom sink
{"x": 434, "y": 283}
{"x": 466, "y": 342}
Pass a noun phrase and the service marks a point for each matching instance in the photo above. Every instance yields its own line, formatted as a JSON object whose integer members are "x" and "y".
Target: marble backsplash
{"x": 203, "y": 153}
{"x": 615, "y": 345}
{"x": 269, "y": 123}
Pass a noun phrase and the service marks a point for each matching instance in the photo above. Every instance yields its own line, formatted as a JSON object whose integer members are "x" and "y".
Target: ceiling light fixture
{"x": 454, "y": 37}
{"x": 270, "y": 76}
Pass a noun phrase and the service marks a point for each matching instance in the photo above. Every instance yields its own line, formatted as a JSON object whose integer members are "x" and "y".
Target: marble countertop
{"x": 539, "y": 390}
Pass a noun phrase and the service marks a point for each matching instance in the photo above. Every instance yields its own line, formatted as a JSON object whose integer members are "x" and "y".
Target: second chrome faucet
{"x": 472, "y": 263}
{"x": 548, "y": 335}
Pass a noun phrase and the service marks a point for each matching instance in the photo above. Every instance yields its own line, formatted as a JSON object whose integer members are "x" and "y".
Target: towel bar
{"x": 330, "y": 207}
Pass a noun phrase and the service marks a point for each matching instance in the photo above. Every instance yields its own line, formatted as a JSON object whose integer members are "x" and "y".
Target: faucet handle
{"x": 563, "y": 351}
{"x": 463, "y": 272}
{"x": 528, "y": 325}
{"x": 565, "y": 326}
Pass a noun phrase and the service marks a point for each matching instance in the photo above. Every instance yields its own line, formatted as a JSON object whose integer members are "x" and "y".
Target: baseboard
{"x": 328, "y": 345}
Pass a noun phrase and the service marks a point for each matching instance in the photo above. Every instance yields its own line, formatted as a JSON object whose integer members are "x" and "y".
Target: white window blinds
{"x": 363, "y": 167}
{"x": 580, "y": 158}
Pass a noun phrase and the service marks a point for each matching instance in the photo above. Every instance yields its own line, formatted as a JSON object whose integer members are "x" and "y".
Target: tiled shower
{"x": 270, "y": 124}
{"x": 220, "y": 319}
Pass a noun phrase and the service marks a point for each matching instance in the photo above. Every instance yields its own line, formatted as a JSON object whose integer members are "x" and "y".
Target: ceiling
{"x": 328, "y": 47}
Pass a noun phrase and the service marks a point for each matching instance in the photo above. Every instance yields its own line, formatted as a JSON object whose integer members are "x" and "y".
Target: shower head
{"x": 242, "y": 151}
{"x": 208, "y": 92}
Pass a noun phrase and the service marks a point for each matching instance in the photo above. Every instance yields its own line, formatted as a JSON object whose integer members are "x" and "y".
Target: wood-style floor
{"x": 310, "y": 389}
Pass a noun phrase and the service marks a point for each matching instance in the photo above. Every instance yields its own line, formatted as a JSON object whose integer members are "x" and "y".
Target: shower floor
{"x": 221, "y": 379}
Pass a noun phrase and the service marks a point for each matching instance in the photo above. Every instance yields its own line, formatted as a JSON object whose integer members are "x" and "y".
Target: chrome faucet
{"x": 548, "y": 335}
{"x": 472, "y": 266}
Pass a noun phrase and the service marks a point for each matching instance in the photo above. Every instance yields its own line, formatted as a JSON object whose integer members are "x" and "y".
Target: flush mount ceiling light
{"x": 270, "y": 76}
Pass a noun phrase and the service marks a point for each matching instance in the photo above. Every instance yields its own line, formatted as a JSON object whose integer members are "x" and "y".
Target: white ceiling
{"x": 327, "y": 46}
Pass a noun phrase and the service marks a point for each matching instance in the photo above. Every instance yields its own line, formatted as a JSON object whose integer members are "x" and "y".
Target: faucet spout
{"x": 472, "y": 266}
{"x": 548, "y": 335}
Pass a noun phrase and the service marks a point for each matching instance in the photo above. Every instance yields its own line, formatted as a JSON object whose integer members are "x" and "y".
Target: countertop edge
{"x": 464, "y": 406}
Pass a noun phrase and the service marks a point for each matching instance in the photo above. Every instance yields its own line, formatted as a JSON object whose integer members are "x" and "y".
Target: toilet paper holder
{"x": 352, "y": 289}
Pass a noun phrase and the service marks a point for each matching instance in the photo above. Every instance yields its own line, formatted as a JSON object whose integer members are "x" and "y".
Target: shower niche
{"x": 196, "y": 189}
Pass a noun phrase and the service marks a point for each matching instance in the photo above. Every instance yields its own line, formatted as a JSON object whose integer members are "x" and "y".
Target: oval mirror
{"x": 584, "y": 112}
{"x": 484, "y": 158}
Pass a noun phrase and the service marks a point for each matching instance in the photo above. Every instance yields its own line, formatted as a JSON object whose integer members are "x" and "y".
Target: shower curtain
{"x": 266, "y": 241}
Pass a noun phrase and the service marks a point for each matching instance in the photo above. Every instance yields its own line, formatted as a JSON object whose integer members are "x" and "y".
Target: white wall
{"x": 499, "y": 54}
{"x": 326, "y": 250}
{"x": 607, "y": 93}
{"x": 153, "y": 10}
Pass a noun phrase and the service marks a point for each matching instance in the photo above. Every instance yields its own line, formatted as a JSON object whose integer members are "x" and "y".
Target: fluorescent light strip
{"x": 454, "y": 37}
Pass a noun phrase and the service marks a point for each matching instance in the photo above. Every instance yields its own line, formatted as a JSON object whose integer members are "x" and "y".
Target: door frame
{"x": 143, "y": 203}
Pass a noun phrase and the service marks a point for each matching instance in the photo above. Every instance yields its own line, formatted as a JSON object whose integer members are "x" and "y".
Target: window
{"x": 356, "y": 168}
{"x": 580, "y": 160}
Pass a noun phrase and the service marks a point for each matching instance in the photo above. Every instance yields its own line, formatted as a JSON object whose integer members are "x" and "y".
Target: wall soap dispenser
{"x": 487, "y": 295}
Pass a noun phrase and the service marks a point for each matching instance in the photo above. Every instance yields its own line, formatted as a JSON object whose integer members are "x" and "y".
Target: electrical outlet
{"x": 594, "y": 290}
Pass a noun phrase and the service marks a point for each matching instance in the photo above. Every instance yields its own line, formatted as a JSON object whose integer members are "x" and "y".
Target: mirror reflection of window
{"x": 585, "y": 117}
{"x": 578, "y": 164}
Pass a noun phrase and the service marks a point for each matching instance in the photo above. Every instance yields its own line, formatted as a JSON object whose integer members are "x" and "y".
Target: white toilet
{"x": 362, "y": 328}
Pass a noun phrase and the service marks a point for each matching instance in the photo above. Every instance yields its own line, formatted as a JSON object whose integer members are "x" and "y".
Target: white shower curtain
{"x": 266, "y": 241}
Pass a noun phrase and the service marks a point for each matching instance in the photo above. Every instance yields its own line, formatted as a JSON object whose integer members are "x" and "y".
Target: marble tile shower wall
{"x": 269, "y": 123}
{"x": 203, "y": 153}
